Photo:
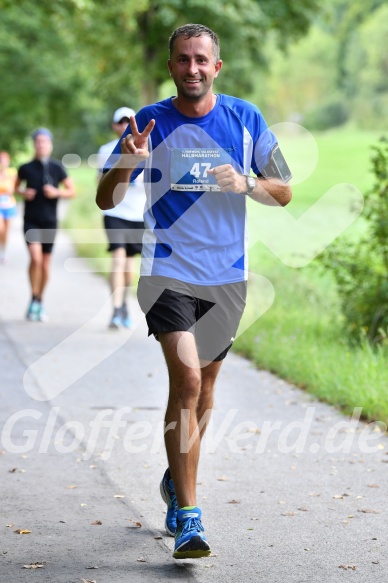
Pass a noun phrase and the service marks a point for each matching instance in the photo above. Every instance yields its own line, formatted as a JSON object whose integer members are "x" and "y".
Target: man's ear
{"x": 218, "y": 67}
{"x": 169, "y": 67}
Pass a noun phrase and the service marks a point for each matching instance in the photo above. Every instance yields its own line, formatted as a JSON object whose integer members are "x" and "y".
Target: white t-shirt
{"x": 131, "y": 208}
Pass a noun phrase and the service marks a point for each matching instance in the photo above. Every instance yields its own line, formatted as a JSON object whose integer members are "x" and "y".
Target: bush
{"x": 361, "y": 269}
{"x": 331, "y": 113}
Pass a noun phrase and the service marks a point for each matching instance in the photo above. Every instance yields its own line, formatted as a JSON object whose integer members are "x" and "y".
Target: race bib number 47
{"x": 190, "y": 168}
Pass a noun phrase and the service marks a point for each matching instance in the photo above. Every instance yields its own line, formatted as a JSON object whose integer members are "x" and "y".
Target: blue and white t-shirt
{"x": 195, "y": 232}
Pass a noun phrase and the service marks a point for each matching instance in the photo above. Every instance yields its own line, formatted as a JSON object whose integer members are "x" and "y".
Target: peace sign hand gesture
{"x": 135, "y": 144}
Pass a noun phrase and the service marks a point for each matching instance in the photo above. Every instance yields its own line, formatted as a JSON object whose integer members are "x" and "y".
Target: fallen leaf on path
{"x": 369, "y": 511}
{"x": 346, "y": 567}
{"x": 119, "y": 496}
{"x": 234, "y": 502}
{"x": 88, "y": 581}
{"x": 222, "y": 479}
{"x": 9, "y": 525}
{"x": 12, "y": 471}
{"x": 141, "y": 560}
{"x": 373, "y": 485}
{"x": 288, "y": 513}
{"x": 136, "y": 523}
{"x": 314, "y": 494}
{"x": 92, "y": 567}
{"x": 71, "y": 487}
{"x": 96, "y": 522}
{"x": 34, "y": 566}
{"x": 22, "y": 531}
{"x": 338, "y": 497}
{"x": 158, "y": 537}
{"x": 303, "y": 509}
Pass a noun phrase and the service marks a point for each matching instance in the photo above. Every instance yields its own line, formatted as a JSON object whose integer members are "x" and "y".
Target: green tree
{"x": 41, "y": 80}
{"x": 360, "y": 269}
{"x": 67, "y": 64}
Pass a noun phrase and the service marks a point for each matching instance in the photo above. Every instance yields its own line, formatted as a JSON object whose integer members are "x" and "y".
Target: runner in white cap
{"x": 124, "y": 227}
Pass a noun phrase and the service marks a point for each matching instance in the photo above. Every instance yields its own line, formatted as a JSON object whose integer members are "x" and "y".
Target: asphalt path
{"x": 291, "y": 490}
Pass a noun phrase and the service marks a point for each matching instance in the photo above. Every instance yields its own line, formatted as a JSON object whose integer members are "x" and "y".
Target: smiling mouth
{"x": 192, "y": 81}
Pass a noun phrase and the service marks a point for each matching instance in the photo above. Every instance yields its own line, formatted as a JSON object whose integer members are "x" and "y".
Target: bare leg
{"x": 117, "y": 276}
{"x": 35, "y": 268}
{"x": 205, "y": 403}
{"x": 46, "y": 264}
{"x": 187, "y": 404}
{"x": 4, "y": 225}
{"x": 128, "y": 277}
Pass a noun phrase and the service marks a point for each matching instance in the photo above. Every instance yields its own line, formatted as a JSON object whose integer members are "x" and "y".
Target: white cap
{"x": 122, "y": 112}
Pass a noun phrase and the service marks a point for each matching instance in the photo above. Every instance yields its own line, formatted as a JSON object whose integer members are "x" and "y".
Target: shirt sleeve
{"x": 62, "y": 174}
{"x": 21, "y": 173}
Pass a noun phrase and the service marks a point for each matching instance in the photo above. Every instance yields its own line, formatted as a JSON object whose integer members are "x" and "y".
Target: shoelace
{"x": 191, "y": 524}
{"x": 173, "y": 503}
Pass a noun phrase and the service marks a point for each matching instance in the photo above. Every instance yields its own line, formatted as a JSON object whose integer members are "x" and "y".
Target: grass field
{"x": 299, "y": 337}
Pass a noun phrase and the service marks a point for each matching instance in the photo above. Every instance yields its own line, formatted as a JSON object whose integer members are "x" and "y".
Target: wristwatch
{"x": 251, "y": 183}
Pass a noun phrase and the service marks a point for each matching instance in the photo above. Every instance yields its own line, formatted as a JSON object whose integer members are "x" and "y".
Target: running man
{"x": 38, "y": 183}
{"x": 198, "y": 149}
{"x": 124, "y": 228}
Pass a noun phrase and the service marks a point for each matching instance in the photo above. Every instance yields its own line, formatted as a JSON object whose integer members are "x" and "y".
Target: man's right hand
{"x": 135, "y": 144}
{"x": 29, "y": 193}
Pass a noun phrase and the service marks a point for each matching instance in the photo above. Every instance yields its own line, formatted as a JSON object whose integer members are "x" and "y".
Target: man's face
{"x": 192, "y": 66}
{"x": 43, "y": 146}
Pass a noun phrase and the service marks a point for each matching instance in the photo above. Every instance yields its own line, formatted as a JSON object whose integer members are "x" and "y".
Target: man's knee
{"x": 187, "y": 387}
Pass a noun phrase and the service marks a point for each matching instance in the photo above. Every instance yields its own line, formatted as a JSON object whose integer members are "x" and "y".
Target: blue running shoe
{"x": 42, "y": 316}
{"x": 167, "y": 491}
{"x": 125, "y": 319}
{"x": 33, "y": 311}
{"x": 190, "y": 542}
{"x": 116, "y": 321}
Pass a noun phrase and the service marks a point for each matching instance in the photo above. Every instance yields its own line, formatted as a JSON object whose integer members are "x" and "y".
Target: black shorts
{"x": 211, "y": 313}
{"x": 37, "y": 232}
{"x": 121, "y": 236}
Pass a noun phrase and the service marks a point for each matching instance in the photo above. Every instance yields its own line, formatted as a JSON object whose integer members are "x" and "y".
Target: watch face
{"x": 251, "y": 183}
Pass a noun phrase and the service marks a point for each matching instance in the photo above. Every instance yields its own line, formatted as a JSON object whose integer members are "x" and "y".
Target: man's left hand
{"x": 50, "y": 191}
{"x": 228, "y": 179}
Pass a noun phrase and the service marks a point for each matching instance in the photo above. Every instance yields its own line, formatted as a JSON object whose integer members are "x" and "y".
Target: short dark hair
{"x": 190, "y": 30}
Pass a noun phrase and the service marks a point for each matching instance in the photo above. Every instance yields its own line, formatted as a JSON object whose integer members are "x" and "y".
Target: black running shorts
{"x": 40, "y": 232}
{"x": 211, "y": 313}
{"x": 120, "y": 233}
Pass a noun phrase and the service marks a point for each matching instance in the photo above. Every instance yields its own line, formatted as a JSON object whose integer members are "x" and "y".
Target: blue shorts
{"x": 8, "y": 213}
